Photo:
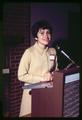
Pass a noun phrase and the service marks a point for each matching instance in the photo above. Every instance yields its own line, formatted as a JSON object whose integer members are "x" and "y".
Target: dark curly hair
{"x": 40, "y": 24}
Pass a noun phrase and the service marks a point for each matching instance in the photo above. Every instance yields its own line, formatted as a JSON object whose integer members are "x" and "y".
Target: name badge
{"x": 52, "y": 57}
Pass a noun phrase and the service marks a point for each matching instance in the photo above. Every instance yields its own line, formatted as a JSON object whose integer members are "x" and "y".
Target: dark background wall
{"x": 56, "y": 13}
{"x": 15, "y": 39}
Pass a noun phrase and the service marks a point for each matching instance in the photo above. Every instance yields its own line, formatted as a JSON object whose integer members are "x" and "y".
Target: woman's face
{"x": 44, "y": 36}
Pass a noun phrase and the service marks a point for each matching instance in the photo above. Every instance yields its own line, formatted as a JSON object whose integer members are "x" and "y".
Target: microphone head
{"x": 58, "y": 47}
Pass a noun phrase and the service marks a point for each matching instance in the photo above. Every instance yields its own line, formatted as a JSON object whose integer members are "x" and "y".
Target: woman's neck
{"x": 41, "y": 45}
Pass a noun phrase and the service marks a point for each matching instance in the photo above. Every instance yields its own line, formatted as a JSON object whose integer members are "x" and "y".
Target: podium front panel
{"x": 71, "y": 95}
{"x": 62, "y": 100}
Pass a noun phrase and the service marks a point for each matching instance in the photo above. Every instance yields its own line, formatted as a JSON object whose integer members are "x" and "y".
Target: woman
{"x": 37, "y": 63}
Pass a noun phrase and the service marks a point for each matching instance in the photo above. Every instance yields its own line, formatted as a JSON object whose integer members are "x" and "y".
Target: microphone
{"x": 67, "y": 56}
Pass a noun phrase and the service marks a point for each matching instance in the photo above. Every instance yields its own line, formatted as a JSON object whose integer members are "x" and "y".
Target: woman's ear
{"x": 36, "y": 38}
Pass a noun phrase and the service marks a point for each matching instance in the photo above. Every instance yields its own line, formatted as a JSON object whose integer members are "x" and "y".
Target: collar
{"x": 40, "y": 49}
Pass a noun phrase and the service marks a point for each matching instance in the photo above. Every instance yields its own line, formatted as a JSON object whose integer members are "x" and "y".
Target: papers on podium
{"x": 38, "y": 85}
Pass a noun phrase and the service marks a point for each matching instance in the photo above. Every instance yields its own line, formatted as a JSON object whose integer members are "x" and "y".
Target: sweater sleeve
{"x": 23, "y": 69}
{"x": 53, "y": 51}
{"x": 56, "y": 60}
{"x": 56, "y": 68}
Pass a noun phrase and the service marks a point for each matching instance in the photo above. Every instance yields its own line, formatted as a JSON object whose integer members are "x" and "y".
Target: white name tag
{"x": 52, "y": 57}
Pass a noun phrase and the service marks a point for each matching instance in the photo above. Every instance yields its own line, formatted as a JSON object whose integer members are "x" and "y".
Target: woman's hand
{"x": 47, "y": 77}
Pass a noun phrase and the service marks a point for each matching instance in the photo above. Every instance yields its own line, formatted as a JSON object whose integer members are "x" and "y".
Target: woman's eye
{"x": 42, "y": 33}
{"x": 48, "y": 32}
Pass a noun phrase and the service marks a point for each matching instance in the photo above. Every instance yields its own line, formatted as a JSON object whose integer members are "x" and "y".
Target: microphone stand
{"x": 72, "y": 62}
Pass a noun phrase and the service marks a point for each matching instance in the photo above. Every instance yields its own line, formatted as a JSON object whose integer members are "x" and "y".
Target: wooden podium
{"x": 61, "y": 100}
